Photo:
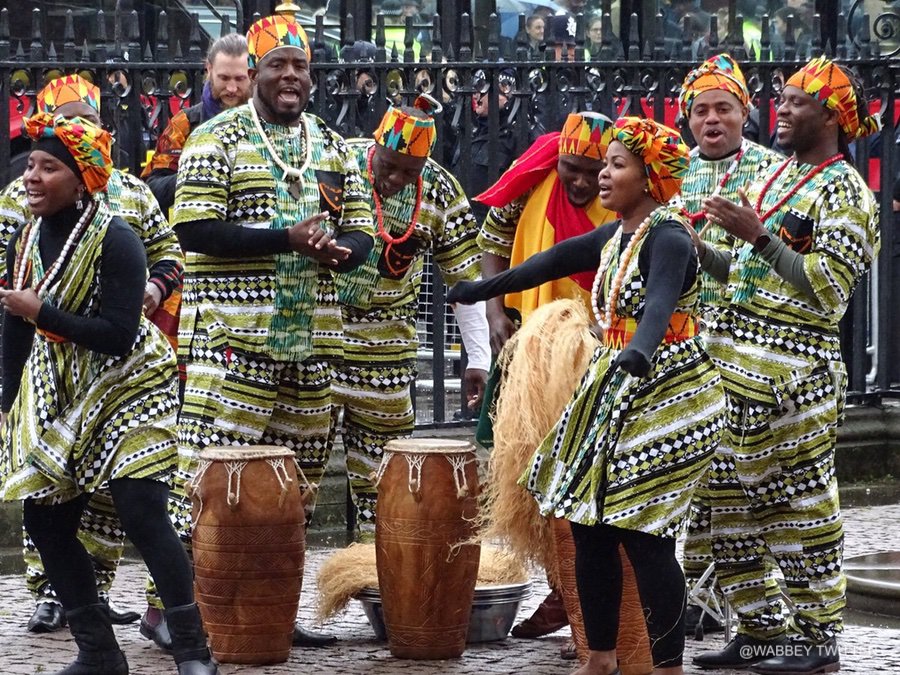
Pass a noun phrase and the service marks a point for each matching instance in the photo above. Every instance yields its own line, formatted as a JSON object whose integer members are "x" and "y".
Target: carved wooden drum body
{"x": 248, "y": 546}
{"x": 427, "y": 502}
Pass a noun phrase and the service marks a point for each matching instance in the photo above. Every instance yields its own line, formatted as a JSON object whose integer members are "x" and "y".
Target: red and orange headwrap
{"x": 666, "y": 157}
{"x": 275, "y": 32}
{"x": 585, "y": 134}
{"x": 68, "y": 89}
{"x": 717, "y": 72}
{"x": 406, "y": 133}
{"x": 829, "y": 85}
{"x": 89, "y": 145}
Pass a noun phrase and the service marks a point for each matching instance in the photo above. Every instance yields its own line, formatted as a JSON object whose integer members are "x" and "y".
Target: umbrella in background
{"x": 509, "y": 11}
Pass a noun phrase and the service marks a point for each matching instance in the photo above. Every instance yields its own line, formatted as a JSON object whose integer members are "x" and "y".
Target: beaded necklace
{"x": 23, "y": 260}
{"x": 605, "y": 318}
{"x": 696, "y": 217}
{"x": 379, "y": 213}
{"x": 288, "y": 173}
{"x": 781, "y": 202}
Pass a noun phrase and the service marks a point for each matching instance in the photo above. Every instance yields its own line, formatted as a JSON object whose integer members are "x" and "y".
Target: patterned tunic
{"x": 283, "y": 306}
{"x": 131, "y": 200}
{"x": 82, "y": 417}
{"x": 779, "y": 336}
{"x": 629, "y": 451}
{"x": 702, "y": 179}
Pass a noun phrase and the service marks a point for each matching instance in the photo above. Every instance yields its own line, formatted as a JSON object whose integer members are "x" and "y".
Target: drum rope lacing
{"x": 458, "y": 462}
{"x": 234, "y": 473}
{"x": 414, "y": 463}
{"x": 194, "y": 484}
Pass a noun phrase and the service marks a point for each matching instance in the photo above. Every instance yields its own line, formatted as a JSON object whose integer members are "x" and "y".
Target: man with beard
{"x": 803, "y": 239}
{"x": 227, "y": 85}
{"x": 100, "y": 531}
{"x": 549, "y": 194}
{"x": 419, "y": 207}
{"x": 269, "y": 204}
{"x": 715, "y": 103}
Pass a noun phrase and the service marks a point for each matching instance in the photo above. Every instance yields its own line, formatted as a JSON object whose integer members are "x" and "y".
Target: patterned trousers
{"x": 373, "y": 385}
{"x": 698, "y": 542}
{"x": 774, "y": 493}
{"x": 102, "y": 536}
{"x": 234, "y": 398}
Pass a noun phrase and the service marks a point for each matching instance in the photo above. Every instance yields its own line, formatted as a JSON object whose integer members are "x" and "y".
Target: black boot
{"x": 98, "y": 651}
{"x": 153, "y": 626}
{"x": 189, "y": 641}
{"x": 48, "y": 617}
{"x": 742, "y": 652}
{"x": 802, "y": 658}
{"x": 307, "y": 638}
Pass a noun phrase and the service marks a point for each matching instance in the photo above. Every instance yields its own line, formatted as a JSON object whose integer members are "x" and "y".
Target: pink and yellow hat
{"x": 68, "y": 89}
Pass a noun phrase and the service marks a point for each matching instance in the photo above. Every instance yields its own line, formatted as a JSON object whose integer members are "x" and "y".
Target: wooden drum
{"x": 248, "y": 545}
{"x": 427, "y": 502}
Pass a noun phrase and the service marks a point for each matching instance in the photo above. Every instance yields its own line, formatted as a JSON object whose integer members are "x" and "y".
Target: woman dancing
{"x": 635, "y": 439}
{"x": 89, "y": 393}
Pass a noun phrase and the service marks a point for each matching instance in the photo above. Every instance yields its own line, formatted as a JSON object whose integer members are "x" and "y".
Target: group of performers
{"x": 296, "y": 257}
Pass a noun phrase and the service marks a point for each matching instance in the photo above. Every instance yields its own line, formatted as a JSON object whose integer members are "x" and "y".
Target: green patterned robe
{"x": 628, "y": 451}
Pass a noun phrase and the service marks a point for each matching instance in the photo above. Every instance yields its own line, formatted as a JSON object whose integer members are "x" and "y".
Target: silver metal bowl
{"x": 494, "y": 610}
{"x": 873, "y": 582}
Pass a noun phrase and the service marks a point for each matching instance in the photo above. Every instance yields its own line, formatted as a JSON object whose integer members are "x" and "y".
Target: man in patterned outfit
{"x": 803, "y": 239}
{"x": 419, "y": 207}
{"x": 549, "y": 194}
{"x": 269, "y": 203}
{"x": 101, "y": 532}
{"x": 715, "y": 102}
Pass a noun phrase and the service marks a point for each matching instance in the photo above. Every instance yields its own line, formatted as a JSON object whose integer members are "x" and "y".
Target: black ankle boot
{"x": 98, "y": 651}
{"x": 189, "y": 641}
{"x": 742, "y": 652}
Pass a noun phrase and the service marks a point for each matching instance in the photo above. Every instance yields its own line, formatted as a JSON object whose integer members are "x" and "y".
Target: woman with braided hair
{"x": 633, "y": 442}
{"x": 89, "y": 393}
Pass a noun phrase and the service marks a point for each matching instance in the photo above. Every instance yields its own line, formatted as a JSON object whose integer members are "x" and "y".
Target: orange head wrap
{"x": 829, "y": 85}
{"x": 666, "y": 157}
{"x": 717, "y": 72}
{"x": 275, "y": 32}
{"x": 68, "y": 89}
{"x": 407, "y": 133}
{"x": 585, "y": 134}
{"x": 89, "y": 145}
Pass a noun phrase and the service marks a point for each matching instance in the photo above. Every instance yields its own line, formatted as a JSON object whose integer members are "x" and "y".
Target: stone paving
{"x": 869, "y": 645}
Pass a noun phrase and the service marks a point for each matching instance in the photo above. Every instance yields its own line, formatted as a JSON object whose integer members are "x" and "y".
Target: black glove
{"x": 632, "y": 362}
{"x": 464, "y": 292}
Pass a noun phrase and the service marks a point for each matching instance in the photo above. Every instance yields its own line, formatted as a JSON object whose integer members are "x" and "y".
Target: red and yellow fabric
{"x": 585, "y": 134}
{"x": 407, "y": 133}
{"x": 681, "y": 327}
{"x": 275, "y": 32}
{"x": 89, "y": 145}
{"x": 717, "y": 72}
{"x": 829, "y": 85}
{"x": 68, "y": 89}
{"x": 169, "y": 145}
{"x": 666, "y": 157}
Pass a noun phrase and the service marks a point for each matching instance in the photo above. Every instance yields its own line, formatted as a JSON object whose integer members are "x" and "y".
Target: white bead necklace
{"x": 45, "y": 282}
{"x": 288, "y": 173}
{"x": 604, "y": 318}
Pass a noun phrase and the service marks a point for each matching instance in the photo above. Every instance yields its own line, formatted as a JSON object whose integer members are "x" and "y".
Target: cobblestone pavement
{"x": 868, "y": 646}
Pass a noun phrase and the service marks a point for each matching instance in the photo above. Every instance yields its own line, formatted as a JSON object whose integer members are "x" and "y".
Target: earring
{"x": 80, "y": 203}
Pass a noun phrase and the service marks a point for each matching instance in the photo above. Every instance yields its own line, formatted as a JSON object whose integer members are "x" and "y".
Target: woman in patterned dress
{"x": 89, "y": 393}
{"x": 636, "y": 437}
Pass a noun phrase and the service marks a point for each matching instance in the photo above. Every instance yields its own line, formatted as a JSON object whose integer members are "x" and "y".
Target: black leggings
{"x": 660, "y": 581}
{"x": 141, "y": 506}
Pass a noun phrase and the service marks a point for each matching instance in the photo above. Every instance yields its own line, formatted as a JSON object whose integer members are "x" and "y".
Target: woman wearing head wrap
{"x": 636, "y": 437}
{"x": 89, "y": 392}
{"x": 803, "y": 239}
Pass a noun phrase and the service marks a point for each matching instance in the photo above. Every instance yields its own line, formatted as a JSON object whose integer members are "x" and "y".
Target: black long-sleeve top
{"x": 226, "y": 240}
{"x": 113, "y": 331}
{"x": 667, "y": 261}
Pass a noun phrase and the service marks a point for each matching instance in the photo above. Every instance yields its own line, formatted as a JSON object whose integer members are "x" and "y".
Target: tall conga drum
{"x": 248, "y": 544}
{"x": 427, "y": 503}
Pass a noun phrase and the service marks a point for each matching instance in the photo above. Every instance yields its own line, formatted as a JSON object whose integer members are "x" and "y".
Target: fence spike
{"x": 162, "y": 37}
{"x": 69, "y": 37}
{"x": 437, "y": 37}
{"x": 134, "y": 35}
{"x": 493, "y": 51}
{"x": 816, "y": 45}
{"x": 194, "y": 52}
{"x": 659, "y": 40}
{"x": 634, "y": 47}
{"x": 37, "y": 43}
{"x": 100, "y": 49}
{"x": 465, "y": 37}
{"x": 51, "y": 52}
{"x": 4, "y": 33}
{"x": 409, "y": 39}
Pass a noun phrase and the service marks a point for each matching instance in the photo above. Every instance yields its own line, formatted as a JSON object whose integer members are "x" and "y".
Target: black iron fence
{"x": 498, "y": 95}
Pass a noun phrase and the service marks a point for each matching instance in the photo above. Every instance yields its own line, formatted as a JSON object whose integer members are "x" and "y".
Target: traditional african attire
{"x": 704, "y": 178}
{"x": 373, "y": 381}
{"x": 259, "y": 334}
{"x": 778, "y": 350}
{"x": 130, "y": 199}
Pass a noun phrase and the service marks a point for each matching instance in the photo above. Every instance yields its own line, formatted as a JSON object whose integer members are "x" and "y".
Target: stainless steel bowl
{"x": 494, "y": 610}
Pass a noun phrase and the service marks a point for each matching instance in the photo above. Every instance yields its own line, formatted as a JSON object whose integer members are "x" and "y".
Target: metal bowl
{"x": 873, "y": 582}
{"x": 494, "y": 610}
